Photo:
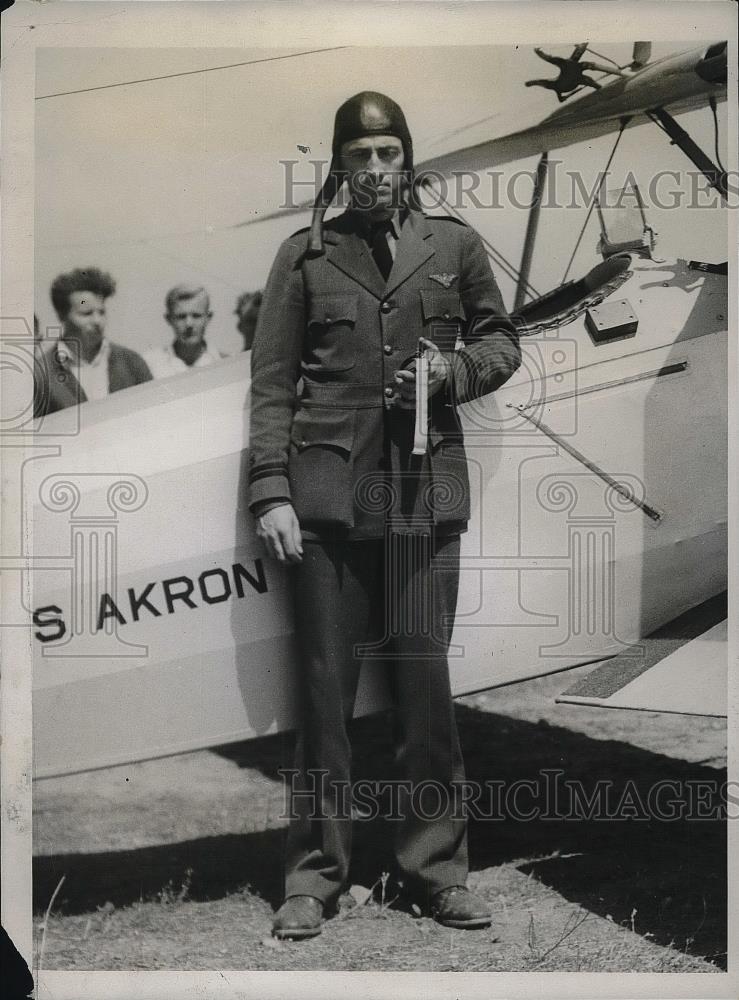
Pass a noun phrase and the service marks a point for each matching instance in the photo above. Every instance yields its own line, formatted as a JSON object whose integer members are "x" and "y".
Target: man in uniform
{"x": 366, "y": 524}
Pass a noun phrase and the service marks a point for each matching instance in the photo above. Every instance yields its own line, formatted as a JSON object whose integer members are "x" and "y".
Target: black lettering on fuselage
{"x": 215, "y": 586}
{"x": 216, "y": 598}
{"x": 41, "y": 620}
{"x": 142, "y": 601}
{"x": 171, "y": 595}
{"x": 259, "y": 583}
{"x": 108, "y": 609}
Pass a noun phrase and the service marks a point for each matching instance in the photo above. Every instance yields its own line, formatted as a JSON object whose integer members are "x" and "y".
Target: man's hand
{"x": 405, "y": 379}
{"x": 280, "y": 532}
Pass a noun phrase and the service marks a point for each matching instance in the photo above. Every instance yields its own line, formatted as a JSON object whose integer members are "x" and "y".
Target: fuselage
{"x": 158, "y": 607}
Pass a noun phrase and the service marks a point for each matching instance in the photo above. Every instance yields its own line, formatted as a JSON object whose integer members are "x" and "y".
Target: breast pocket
{"x": 331, "y": 342}
{"x": 443, "y": 317}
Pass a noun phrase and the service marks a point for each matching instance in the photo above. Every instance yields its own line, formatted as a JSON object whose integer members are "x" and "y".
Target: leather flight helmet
{"x": 367, "y": 113}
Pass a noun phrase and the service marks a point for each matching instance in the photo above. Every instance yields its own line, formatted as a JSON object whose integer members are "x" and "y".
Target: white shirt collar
{"x": 204, "y": 355}
{"x": 66, "y": 354}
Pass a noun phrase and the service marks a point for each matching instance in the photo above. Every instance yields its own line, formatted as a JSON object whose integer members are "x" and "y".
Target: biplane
{"x": 598, "y": 477}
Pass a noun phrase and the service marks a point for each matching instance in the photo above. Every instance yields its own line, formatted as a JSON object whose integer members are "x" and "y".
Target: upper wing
{"x": 681, "y": 82}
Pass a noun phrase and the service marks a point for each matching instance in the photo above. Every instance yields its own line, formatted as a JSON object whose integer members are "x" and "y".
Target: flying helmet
{"x": 367, "y": 113}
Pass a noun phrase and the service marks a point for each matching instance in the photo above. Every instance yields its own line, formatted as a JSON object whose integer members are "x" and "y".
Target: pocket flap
{"x": 327, "y": 309}
{"x": 441, "y": 304}
{"x": 322, "y": 425}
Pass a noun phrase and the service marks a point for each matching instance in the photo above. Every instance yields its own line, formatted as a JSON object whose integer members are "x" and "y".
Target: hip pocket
{"x": 321, "y": 465}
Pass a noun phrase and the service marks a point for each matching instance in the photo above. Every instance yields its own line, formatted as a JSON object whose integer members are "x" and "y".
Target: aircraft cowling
{"x": 713, "y": 65}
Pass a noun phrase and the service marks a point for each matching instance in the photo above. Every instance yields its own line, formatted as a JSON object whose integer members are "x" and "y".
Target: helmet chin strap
{"x": 327, "y": 194}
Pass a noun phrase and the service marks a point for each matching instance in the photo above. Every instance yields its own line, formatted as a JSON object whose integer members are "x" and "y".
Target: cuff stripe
{"x": 262, "y": 471}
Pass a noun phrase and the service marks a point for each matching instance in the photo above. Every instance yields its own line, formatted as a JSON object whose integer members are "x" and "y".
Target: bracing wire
{"x": 601, "y": 56}
{"x": 712, "y": 102}
{"x": 509, "y": 269}
{"x": 189, "y": 72}
{"x": 592, "y": 203}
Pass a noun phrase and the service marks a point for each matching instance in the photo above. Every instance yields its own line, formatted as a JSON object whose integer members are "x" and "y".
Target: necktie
{"x": 381, "y": 250}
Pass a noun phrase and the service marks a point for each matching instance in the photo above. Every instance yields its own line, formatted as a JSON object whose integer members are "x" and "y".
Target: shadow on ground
{"x": 664, "y": 878}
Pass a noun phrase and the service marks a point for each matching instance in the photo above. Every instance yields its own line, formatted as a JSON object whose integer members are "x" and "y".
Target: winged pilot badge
{"x": 444, "y": 279}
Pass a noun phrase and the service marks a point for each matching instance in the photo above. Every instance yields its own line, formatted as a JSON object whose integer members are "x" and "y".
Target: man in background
{"x": 83, "y": 364}
{"x": 247, "y": 310}
{"x": 188, "y": 313}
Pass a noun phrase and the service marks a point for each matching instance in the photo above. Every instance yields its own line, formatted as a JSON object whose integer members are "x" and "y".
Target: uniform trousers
{"x": 396, "y": 596}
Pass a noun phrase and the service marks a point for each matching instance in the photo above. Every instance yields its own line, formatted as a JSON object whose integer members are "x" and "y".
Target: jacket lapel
{"x": 414, "y": 248}
{"x": 351, "y": 255}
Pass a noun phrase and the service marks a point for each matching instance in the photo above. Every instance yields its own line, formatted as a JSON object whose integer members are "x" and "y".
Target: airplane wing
{"x": 279, "y": 213}
{"x": 687, "y": 676}
{"x": 548, "y": 135}
{"x": 684, "y": 81}
{"x": 538, "y": 139}
{"x": 503, "y": 149}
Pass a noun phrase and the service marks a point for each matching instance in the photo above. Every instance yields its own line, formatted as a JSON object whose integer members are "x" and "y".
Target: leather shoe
{"x": 457, "y": 907}
{"x": 298, "y": 917}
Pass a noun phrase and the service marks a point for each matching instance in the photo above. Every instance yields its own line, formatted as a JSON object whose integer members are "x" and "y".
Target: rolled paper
{"x": 420, "y": 436}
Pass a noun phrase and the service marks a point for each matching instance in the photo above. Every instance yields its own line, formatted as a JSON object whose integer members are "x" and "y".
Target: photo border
{"x": 71, "y": 23}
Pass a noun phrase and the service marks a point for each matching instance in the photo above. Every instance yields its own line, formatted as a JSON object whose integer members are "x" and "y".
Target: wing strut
{"x": 531, "y": 228}
{"x": 713, "y": 174}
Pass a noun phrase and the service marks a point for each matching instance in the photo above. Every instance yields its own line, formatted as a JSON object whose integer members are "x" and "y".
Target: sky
{"x": 149, "y": 180}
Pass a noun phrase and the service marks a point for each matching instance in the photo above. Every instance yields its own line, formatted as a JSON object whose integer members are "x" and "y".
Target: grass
{"x": 176, "y": 864}
{"x": 533, "y": 931}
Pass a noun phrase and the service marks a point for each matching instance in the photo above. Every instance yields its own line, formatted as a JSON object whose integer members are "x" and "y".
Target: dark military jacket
{"x": 56, "y": 386}
{"x": 330, "y": 337}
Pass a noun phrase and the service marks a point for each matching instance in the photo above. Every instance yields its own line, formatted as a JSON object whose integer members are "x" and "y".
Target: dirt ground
{"x": 176, "y": 863}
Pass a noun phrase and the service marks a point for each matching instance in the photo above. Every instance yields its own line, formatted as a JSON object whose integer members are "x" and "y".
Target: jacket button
{"x": 387, "y": 349}
{"x": 389, "y": 391}
{"x": 446, "y": 315}
{"x": 386, "y": 307}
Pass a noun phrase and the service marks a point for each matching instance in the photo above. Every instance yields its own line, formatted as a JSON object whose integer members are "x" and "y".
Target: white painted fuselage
{"x": 177, "y": 630}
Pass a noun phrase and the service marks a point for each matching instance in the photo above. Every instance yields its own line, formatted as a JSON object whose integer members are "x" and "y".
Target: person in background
{"x": 83, "y": 364}
{"x": 188, "y": 313}
{"x": 247, "y": 310}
